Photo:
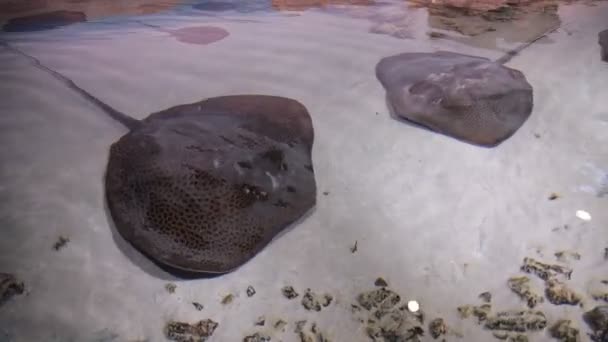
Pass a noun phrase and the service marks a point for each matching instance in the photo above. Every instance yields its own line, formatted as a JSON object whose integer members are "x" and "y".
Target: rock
{"x": 437, "y": 327}
{"x": 473, "y": 6}
{"x": 545, "y": 271}
{"x": 380, "y": 282}
{"x": 481, "y": 312}
{"x": 257, "y": 337}
{"x": 170, "y": 287}
{"x": 465, "y": 97}
{"x": 564, "y": 331}
{"x": 315, "y": 302}
{"x": 261, "y": 320}
{"x": 228, "y": 299}
{"x": 513, "y": 21}
{"x": 517, "y": 321}
{"x": 486, "y": 297}
{"x": 185, "y": 332}
{"x": 380, "y": 298}
{"x": 9, "y": 287}
{"x": 289, "y": 292}
{"x": 314, "y": 335}
{"x": 510, "y": 337}
{"x": 385, "y": 319}
{"x": 603, "y": 40}
{"x": 558, "y": 293}
{"x": 280, "y": 325}
{"x": 597, "y": 319}
{"x": 521, "y": 286}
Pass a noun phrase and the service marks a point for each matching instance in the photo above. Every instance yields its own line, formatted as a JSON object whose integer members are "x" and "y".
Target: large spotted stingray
{"x": 469, "y": 98}
{"x": 203, "y": 187}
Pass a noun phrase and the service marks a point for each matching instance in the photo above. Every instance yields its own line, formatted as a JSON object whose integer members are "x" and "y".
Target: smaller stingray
{"x": 469, "y": 98}
{"x": 215, "y": 6}
{"x": 199, "y": 35}
{"x": 234, "y": 5}
{"x": 203, "y": 187}
{"x": 44, "y": 21}
{"x": 603, "y": 41}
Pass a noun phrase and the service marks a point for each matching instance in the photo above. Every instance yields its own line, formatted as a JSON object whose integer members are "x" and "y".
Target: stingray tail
{"x": 512, "y": 53}
{"x": 123, "y": 118}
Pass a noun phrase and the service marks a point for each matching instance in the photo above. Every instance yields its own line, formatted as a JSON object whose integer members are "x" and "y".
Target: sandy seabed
{"x": 440, "y": 220}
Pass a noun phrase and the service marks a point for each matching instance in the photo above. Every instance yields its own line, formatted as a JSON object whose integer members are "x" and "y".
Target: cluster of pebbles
{"x": 512, "y": 325}
{"x": 305, "y": 331}
{"x": 381, "y": 310}
{"x": 385, "y": 317}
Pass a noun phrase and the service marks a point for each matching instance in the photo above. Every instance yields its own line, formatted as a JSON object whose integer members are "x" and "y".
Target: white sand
{"x": 420, "y": 205}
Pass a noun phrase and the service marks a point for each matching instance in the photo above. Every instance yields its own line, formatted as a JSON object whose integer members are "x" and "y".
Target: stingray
{"x": 199, "y": 35}
{"x": 44, "y": 21}
{"x": 203, "y": 187}
{"x": 232, "y": 6}
{"x": 603, "y": 41}
{"x": 216, "y": 6}
{"x": 472, "y": 99}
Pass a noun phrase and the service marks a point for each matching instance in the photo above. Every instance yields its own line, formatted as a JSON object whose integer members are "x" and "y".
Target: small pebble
{"x": 170, "y": 287}
{"x": 381, "y": 282}
{"x": 250, "y": 291}
{"x": 434, "y": 34}
{"x": 260, "y": 321}
{"x": 61, "y": 242}
{"x": 437, "y": 327}
{"x": 299, "y": 326}
{"x": 227, "y": 299}
{"x": 289, "y": 292}
{"x": 486, "y": 297}
{"x": 280, "y": 325}
{"x": 257, "y": 337}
